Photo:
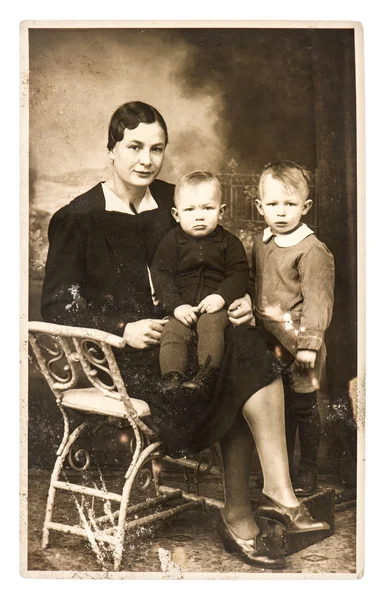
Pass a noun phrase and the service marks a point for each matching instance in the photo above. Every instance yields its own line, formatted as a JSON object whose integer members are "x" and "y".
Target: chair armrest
{"x": 77, "y": 332}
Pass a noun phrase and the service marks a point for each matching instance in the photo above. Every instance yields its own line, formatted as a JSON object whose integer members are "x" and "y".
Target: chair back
{"x": 63, "y": 353}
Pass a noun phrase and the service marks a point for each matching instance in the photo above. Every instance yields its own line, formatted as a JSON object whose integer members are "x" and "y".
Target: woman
{"x": 97, "y": 275}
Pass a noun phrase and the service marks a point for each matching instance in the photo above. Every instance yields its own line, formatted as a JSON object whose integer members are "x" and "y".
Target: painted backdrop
{"x": 233, "y": 99}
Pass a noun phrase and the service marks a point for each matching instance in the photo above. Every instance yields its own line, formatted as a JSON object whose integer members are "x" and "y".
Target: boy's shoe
{"x": 172, "y": 381}
{"x": 203, "y": 383}
{"x": 305, "y": 483}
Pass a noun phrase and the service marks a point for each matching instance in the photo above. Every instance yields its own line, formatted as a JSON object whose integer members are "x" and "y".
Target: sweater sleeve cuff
{"x": 229, "y": 298}
{"x": 226, "y": 297}
{"x": 171, "y": 306}
{"x": 309, "y": 342}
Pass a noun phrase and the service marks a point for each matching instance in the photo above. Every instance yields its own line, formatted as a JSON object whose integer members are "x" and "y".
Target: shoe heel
{"x": 227, "y": 541}
{"x": 264, "y": 525}
{"x": 228, "y": 546}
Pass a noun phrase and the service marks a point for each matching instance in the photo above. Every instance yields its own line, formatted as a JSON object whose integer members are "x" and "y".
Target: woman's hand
{"x": 240, "y": 312}
{"x": 186, "y": 314}
{"x": 211, "y": 304}
{"x": 144, "y": 333}
{"x": 306, "y": 358}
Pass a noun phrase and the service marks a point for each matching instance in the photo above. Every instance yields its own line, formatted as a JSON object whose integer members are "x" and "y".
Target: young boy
{"x": 294, "y": 293}
{"x": 198, "y": 270}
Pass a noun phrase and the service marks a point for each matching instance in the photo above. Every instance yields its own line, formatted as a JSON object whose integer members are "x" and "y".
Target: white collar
{"x": 114, "y": 203}
{"x": 290, "y": 239}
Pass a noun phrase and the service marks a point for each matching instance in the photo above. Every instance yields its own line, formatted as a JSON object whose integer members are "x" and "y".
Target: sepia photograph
{"x": 193, "y": 368}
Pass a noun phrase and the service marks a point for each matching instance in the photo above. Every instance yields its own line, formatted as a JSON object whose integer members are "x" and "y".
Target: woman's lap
{"x": 249, "y": 364}
{"x": 175, "y": 420}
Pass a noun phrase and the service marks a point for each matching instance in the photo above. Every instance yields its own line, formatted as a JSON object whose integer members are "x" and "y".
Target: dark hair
{"x": 292, "y": 175}
{"x": 129, "y": 116}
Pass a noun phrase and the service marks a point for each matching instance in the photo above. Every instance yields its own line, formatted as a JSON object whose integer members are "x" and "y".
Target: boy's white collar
{"x": 290, "y": 239}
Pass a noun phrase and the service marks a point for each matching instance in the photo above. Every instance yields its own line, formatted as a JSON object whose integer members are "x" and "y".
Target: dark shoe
{"x": 305, "y": 483}
{"x": 203, "y": 383}
{"x": 296, "y": 519}
{"x": 172, "y": 381}
{"x": 258, "y": 552}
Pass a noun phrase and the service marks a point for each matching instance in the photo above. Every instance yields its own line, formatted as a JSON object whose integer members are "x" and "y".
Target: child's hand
{"x": 186, "y": 314}
{"x": 306, "y": 358}
{"x": 211, "y": 304}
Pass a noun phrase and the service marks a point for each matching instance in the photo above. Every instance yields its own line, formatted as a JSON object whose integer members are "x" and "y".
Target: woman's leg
{"x": 237, "y": 448}
{"x": 264, "y": 413}
{"x": 263, "y": 427}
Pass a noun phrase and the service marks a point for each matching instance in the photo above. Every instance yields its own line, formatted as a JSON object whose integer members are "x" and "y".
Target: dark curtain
{"x": 333, "y": 63}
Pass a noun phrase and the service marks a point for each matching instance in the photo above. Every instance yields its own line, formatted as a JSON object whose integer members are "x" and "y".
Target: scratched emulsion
{"x": 77, "y": 80}
{"x": 190, "y": 538}
{"x": 170, "y": 569}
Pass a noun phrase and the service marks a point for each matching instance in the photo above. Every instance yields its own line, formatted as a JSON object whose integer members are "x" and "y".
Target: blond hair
{"x": 293, "y": 176}
{"x": 194, "y": 179}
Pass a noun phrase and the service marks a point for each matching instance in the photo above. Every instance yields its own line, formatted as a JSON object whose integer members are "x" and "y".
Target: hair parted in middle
{"x": 195, "y": 178}
{"x": 292, "y": 175}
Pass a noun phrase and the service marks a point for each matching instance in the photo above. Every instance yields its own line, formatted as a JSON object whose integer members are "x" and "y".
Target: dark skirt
{"x": 250, "y": 363}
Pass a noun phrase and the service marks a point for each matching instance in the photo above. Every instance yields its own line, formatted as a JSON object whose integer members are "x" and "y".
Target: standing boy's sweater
{"x": 294, "y": 287}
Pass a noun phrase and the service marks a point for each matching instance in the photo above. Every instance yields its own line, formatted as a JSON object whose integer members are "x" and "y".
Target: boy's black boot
{"x": 203, "y": 383}
{"x": 305, "y": 483}
{"x": 172, "y": 381}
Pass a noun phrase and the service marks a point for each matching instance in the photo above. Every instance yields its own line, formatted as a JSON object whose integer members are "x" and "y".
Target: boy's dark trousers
{"x": 176, "y": 338}
{"x": 302, "y": 413}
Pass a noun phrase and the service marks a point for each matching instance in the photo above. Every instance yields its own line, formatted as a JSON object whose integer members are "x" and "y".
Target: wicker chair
{"x": 63, "y": 355}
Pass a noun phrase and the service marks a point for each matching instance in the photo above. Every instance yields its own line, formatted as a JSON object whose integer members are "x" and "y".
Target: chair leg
{"x": 156, "y": 470}
{"x": 55, "y": 477}
{"x": 121, "y": 526}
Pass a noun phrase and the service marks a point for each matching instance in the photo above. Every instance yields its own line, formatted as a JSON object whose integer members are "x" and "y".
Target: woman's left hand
{"x": 240, "y": 312}
{"x": 144, "y": 333}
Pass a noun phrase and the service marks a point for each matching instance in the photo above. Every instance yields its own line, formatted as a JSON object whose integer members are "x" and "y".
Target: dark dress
{"x": 96, "y": 276}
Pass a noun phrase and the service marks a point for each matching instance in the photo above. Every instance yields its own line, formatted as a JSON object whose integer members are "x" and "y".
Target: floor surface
{"x": 190, "y": 537}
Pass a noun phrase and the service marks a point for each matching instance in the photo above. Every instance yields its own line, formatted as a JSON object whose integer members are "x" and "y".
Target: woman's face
{"x": 138, "y": 157}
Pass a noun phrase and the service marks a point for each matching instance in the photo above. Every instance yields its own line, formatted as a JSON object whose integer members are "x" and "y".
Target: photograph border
{"x": 361, "y": 277}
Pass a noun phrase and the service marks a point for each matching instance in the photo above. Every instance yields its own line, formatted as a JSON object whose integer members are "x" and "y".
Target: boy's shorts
{"x": 300, "y": 380}
{"x": 304, "y": 381}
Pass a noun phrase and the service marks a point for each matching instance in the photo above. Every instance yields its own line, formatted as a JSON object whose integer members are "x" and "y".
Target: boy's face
{"x": 281, "y": 206}
{"x": 198, "y": 209}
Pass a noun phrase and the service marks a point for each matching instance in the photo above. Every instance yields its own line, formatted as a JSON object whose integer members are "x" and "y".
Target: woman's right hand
{"x": 144, "y": 333}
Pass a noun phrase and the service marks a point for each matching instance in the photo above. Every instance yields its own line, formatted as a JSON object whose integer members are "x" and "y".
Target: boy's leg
{"x": 290, "y": 423}
{"x": 304, "y": 382}
{"x": 211, "y": 345}
{"x": 174, "y": 347}
{"x": 305, "y": 408}
{"x": 309, "y": 429}
{"x": 211, "y": 337}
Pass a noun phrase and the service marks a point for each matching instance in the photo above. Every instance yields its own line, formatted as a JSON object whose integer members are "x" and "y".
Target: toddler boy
{"x": 198, "y": 270}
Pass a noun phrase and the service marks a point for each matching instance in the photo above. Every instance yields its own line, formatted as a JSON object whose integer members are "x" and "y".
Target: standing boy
{"x": 294, "y": 292}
